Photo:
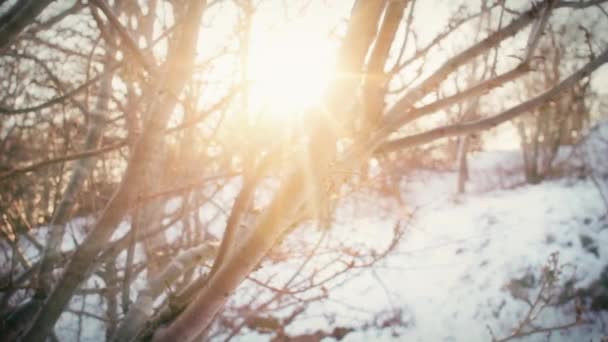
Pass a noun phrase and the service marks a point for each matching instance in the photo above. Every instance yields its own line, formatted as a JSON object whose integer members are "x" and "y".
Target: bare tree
{"x": 115, "y": 114}
{"x": 560, "y": 122}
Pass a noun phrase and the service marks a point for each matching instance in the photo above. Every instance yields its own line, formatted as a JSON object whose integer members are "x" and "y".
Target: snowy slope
{"x": 449, "y": 274}
{"x": 460, "y": 253}
{"x": 448, "y": 277}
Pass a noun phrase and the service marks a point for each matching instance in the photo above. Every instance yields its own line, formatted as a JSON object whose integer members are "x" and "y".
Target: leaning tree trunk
{"x": 298, "y": 187}
{"x": 81, "y": 171}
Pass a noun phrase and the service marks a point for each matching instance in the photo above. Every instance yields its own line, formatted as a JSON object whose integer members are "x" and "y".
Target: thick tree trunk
{"x": 298, "y": 187}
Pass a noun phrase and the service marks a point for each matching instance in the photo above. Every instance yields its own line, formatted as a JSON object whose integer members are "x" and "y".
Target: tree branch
{"x": 470, "y": 127}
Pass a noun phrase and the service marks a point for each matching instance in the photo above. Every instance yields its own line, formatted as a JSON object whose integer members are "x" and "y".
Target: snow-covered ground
{"x": 459, "y": 253}
{"x": 449, "y": 276}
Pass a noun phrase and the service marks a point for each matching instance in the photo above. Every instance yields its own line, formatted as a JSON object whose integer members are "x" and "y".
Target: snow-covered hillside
{"x": 452, "y": 276}
{"x": 459, "y": 254}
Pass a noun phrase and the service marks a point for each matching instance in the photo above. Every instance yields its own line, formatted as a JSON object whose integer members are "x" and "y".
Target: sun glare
{"x": 289, "y": 70}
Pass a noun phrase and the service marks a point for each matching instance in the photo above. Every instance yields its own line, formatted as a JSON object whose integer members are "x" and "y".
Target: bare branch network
{"x": 163, "y": 158}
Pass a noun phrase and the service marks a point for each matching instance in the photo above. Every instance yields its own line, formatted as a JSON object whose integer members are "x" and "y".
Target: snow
{"x": 449, "y": 273}
{"x": 452, "y": 268}
{"x": 448, "y": 277}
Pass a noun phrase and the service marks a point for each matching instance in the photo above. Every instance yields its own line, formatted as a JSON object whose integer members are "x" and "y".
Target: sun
{"x": 289, "y": 70}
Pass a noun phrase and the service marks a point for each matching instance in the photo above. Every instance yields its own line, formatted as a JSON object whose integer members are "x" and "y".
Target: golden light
{"x": 289, "y": 70}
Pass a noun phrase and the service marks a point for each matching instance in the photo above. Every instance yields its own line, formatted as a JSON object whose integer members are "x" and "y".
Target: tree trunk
{"x": 298, "y": 187}
{"x": 463, "y": 168}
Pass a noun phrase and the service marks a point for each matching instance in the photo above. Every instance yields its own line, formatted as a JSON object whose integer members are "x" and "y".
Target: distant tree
{"x": 563, "y": 120}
